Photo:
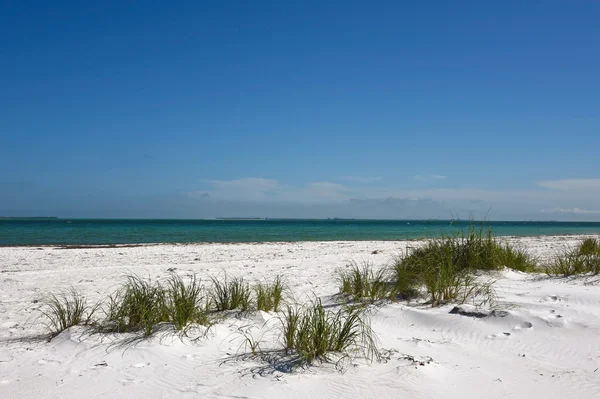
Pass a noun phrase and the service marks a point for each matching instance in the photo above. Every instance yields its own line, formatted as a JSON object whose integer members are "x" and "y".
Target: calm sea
{"x": 122, "y": 231}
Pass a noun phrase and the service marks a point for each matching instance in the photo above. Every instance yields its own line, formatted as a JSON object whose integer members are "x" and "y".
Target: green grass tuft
{"x": 364, "y": 283}
{"x": 516, "y": 258}
{"x": 446, "y": 267}
{"x": 589, "y": 247}
{"x": 583, "y": 259}
{"x": 231, "y": 294}
{"x": 138, "y": 305}
{"x": 313, "y": 333}
{"x": 65, "y": 310}
{"x": 184, "y": 302}
{"x": 406, "y": 279}
{"x": 269, "y": 296}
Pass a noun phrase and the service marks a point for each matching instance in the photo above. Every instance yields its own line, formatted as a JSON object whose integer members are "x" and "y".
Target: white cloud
{"x": 257, "y": 189}
{"x": 571, "y": 184}
{"x": 430, "y": 177}
{"x": 563, "y": 202}
{"x": 328, "y": 190}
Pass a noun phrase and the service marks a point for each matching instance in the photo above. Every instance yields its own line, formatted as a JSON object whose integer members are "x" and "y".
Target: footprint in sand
{"x": 553, "y": 298}
{"x": 501, "y": 335}
{"x": 523, "y": 326}
{"x": 554, "y": 319}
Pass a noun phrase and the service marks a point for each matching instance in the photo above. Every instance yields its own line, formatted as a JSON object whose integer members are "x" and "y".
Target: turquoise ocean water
{"x": 123, "y": 231}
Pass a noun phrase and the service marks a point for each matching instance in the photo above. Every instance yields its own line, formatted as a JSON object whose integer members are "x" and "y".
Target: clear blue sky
{"x": 277, "y": 108}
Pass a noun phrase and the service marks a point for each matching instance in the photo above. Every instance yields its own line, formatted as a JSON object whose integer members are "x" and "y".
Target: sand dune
{"x": 543, "y": 342}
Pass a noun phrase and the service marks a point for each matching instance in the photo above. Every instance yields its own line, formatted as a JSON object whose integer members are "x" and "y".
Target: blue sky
{"x": 300, "y": 109}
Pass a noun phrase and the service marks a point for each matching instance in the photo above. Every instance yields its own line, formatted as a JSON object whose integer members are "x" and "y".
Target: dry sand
{"x": 547, "y": 345}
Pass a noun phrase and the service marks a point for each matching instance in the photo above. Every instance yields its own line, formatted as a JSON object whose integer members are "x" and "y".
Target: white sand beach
{"x": 545, "y": 343}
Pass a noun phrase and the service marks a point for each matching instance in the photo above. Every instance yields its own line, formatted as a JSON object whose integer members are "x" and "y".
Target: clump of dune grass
{"x": 566, "y": 263}
{"x": 138, "y": 305}
{"x": 406, "y": 279}
{"x": 435, "y": 268}
{"x": 516, "y": 258}
{"x": 446, "y": 267}
{"x": 269, "y": 295}
{"x": 479, "y": 249}
{"x": 364, "y": 282}
{"x": 589, "y": 247}
{"x": 583, "y": 259}
{"x": 290, "y": 326}
{"x": 185, "y": 302}
{"x": 444, "y": 280}
{"x": 234, "y": 294}
{"x": 141, "y": 305}
{"x": 314, "y": 333}
{"x": 67, "y": 309}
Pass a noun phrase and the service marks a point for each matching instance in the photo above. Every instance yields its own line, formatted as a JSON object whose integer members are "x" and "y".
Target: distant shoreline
{"x": 95, "y": 232}
{"x": 279, "y": 219}
{"x": 192, "y": 243}
{"x": 28, "y": 218}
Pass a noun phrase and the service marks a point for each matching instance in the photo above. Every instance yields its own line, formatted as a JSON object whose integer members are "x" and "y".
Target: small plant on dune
{"x": 364, "y": 283}
{"x": 67, "y": 309}
{"x": 475, "y": 250}
{"x": 314, "y": 333}
{"x": 565, "y": 264}
{"x": 406, "y": 278}
{"x": 184, "y": 302}
{"x": 516, "y": 258}
{"x": 478, "y": 249}
{"x": 583, "y": 259}
{"x": 593, "y": 264}
{"x": 444, "y": 281}
{"x": 446, "y": 268}
{"x": 231, "y": 294}
{"x": 269, "y": 295}
{"x": 250, "y": 342}
{"x": 589, "y": 247}
{"x": 589, "y": 251}
{"x": 138, "y": 305}
{"x": 290, "y": 326}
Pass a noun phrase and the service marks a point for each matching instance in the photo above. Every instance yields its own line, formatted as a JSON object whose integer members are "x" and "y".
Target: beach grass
{"x": 582, "y": 259}
{"x": 448, "y": 267}
{"x": 364, "y": 282}
{"x": 435, "y": 267}
{"x": 185, "y": 303}
{"x": 269, "y": 294}
{"x": 230, "y": 294}
{"x": 139, "y": 305}
{"x": 516, "y": 258}
{"x": 406, "y": 279}
{"x": 67, "y": 309}
{"x": 314, "y": 333}
{"x": 589, "y": 247}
